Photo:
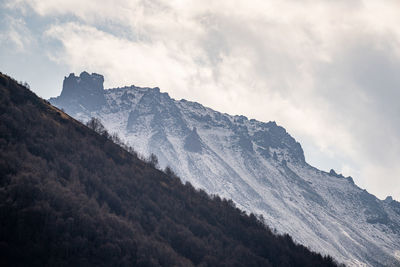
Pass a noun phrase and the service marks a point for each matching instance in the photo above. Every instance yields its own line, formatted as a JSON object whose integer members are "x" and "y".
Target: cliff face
{"x": 260, "y": 167}
{"x": 84, "y": 90}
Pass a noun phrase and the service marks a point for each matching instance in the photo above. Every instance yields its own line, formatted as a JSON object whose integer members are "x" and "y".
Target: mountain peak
{"x": 73, "y": 85}
{"x": 389, "y": 199}
{"x": 332, "y": 172}
{"x": 86, "y": 90}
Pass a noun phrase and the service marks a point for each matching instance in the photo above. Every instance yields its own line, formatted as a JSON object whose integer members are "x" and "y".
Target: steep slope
{"x": 257, "y": 165}
{"x": 72, "y": 197}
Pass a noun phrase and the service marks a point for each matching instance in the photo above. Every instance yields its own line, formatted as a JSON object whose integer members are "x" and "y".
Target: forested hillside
{"x": 72, "y": 197}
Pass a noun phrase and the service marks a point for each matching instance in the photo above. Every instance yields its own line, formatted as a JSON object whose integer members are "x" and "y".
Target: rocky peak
{"x": 388, "y": 199}
{"x": 271, "y": 136}
{"x": 85, "y": 83}
{"x": 86, "y": 89}
{"x": 333, "y": 173}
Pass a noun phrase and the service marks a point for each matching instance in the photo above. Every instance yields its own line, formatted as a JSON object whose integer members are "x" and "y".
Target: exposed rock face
{"x": 193, "y": 142}
{"x": 260, "y": 167}
{"x": 84, "y": 91}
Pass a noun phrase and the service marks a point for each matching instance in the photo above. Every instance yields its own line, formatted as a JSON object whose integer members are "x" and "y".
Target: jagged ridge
{"x": 259, "y": 166}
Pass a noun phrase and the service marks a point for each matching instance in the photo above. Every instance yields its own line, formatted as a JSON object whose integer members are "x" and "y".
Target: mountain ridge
{"x": 260, "y": 167}
{"x": 70, "y": 196}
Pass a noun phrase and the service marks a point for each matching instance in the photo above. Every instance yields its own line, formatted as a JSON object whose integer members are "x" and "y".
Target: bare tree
{"x": 96, "y": 125}
{"x": 153, "y": 160}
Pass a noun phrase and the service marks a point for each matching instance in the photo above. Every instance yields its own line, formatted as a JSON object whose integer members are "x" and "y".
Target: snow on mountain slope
{"x": 258, "y": 165}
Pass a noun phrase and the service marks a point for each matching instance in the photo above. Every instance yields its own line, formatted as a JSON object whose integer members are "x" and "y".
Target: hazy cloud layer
{"x": 328, "y": 71}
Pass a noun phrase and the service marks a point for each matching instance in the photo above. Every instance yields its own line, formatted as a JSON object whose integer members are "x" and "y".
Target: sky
{"x": 327, "y": 71}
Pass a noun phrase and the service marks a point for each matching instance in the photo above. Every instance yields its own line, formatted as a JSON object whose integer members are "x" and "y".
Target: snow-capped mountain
{"x": 258, "y": 165}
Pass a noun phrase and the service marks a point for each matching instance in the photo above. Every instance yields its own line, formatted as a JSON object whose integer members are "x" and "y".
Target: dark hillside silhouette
{"x": 71, "y": 197}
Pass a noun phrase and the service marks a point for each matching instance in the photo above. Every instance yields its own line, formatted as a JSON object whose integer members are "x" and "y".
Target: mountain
{"x": 70, "y": 196}
{"x": 258, "y": 165}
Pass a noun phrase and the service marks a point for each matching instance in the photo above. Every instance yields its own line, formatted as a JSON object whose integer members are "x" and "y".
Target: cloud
{"x": 122, "y": 61}
{"x": 325, "y": 70}
{"x": 17, "y": 33}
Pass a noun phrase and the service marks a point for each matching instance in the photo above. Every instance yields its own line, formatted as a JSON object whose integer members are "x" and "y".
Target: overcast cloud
{"x": 327, "y": 71}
